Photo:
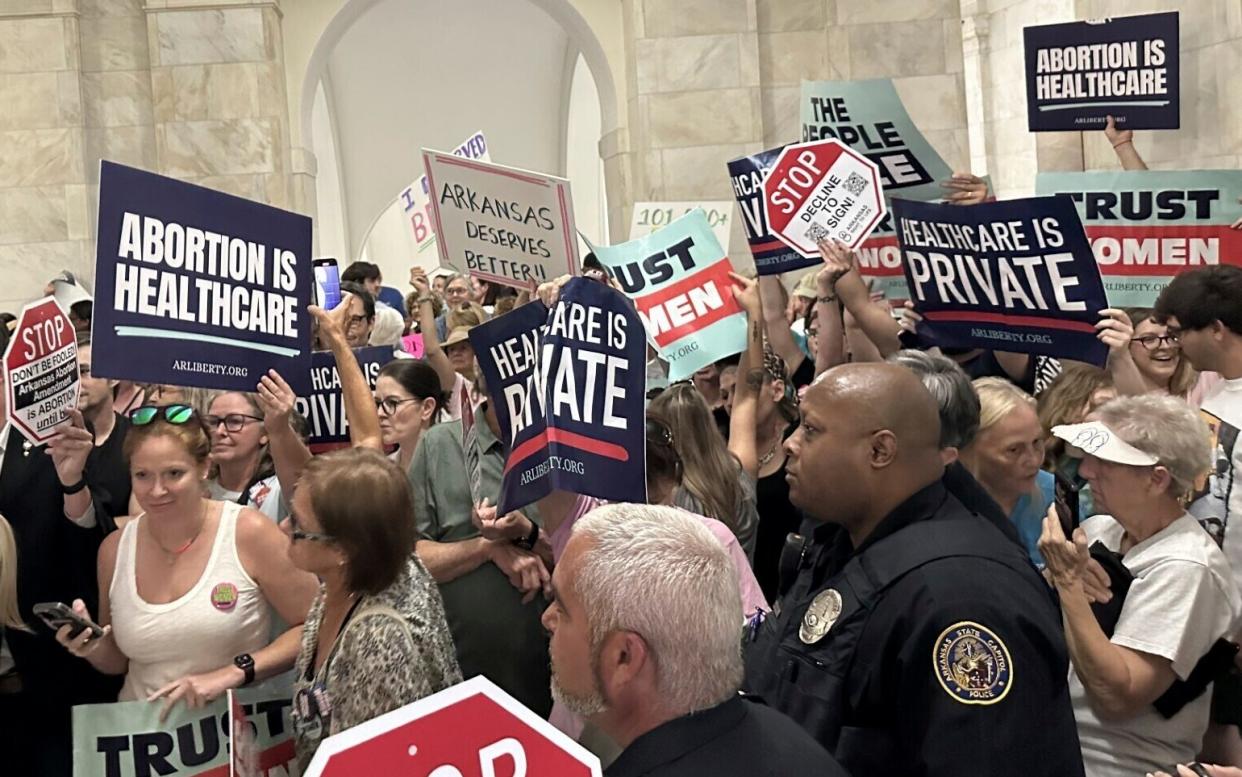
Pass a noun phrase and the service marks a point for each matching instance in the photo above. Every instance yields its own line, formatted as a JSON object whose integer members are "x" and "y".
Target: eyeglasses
{"x": 1152, "y": 342}
{"x": 456, "y": 291}
{"x": 354, "y": 321}
{"x": 177, "y": 415}
{"x": 659, "y": 434}
{"x": 298, "y": 534}
{"x": 233, "y": 422}
{"x": 390, "y": 405}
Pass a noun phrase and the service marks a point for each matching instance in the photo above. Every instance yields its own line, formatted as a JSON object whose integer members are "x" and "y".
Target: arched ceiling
{"x": 414, "y": 73}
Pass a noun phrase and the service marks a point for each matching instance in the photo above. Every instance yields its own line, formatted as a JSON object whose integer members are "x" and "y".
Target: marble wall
{"x": 1211, "y": 57}
{"x": 714, "y": 79}
{"x": 194, "y": 89}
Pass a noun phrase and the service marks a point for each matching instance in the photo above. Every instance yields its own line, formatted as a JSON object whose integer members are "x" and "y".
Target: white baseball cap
{"x": 1097, "y": 439}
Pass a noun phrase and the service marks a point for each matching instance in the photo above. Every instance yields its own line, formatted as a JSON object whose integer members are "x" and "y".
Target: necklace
{"x": 765, "y": 458}
{"x": 177, "y": 552}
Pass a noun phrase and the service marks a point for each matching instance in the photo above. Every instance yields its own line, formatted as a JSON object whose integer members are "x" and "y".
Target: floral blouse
{"x": 395, "y": 649}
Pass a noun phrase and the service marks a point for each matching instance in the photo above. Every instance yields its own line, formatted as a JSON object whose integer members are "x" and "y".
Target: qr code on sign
{"x": 817, "y": 233}
{"x": 855, "y": 184}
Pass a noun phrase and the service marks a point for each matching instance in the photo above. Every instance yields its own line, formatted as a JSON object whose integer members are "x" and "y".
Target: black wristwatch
{"x": 75, "y": 488}
{"x": 245, "y": 662}
{"x": 529, "y": 540}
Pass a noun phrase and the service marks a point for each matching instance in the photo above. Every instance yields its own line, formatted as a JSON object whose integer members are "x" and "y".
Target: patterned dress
{"x": 395, "y": 649}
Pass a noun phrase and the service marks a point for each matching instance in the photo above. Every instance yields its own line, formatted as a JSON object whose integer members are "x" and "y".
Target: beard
{"x": 584, "y": 705}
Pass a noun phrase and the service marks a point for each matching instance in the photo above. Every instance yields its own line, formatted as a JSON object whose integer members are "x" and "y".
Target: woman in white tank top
{"x": 186, "y": 590}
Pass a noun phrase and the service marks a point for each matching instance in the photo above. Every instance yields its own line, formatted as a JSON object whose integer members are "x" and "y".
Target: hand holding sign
{"x": 965, "y": 189}
{"x": 69, "y": 448}
{"x": 1115, "y": 331}
{"x": 507, "y": 528}
{"x": 1116, "y": 136}
{"x": 839, "y": 260}
{"x": 198, "y": 690}
{"x": 746, "y": 292}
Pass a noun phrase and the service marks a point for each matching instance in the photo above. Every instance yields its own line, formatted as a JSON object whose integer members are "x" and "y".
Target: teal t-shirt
{"x": 1028, "y": 514}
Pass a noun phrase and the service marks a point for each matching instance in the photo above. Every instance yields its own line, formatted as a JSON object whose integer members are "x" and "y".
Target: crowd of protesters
{"x": 857, "y": 557}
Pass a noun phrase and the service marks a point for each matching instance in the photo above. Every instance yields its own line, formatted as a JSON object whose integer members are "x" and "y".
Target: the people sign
{"x": 473, "y": 728}
{"x": 568, "y": 388}
{"x": 1016, "y": 275}
{"x": 195, "y": 287}
{"x": 501, "y": 224}
{"x": 1080, "y": 73}
{"x": 822, "y": 191}
{"x": 41, "y": 371}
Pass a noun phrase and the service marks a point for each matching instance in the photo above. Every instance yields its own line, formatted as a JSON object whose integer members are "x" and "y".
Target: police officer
{"x": 918, "y": 640}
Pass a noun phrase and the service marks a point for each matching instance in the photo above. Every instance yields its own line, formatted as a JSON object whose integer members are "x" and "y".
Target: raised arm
{"x": 364, "y": 429}
{"x": 1122, "y": 142}
{"x": 432, "y": 351}
{"x": 853, "y": 293}
{"x": 745, "y": 413}
{"x": 289, "y": 453}
{"x": 780, "y": 336}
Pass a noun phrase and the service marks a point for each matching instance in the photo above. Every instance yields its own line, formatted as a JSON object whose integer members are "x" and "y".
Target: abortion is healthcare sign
{"x": 1079, "y": 73}
{"x": 771, "y": 255}
{"x": 500, "y": 223}
{"x": 1016, "y": 275}
{"x": 194, "y": 287}
{"x": 1147, "y": 226}
{"x": 679, "y": 280}
{"x": 568, "y": 388}
{"x": 870, "y": 118}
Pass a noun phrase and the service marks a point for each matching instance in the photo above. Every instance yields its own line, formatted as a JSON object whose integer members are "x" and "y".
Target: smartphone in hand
{"x": 57, "y": 614}
{"x": 327, "y": 283}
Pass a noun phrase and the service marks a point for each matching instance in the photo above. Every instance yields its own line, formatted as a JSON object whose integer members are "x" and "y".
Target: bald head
{"x": 870, "y": 438}
{"x": 881, "y": 396}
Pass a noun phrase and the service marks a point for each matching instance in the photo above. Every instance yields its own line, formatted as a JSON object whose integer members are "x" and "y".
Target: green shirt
{"x": 494, "y": 633}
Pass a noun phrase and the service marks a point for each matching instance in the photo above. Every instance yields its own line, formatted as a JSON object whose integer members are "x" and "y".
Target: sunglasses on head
{"x": 173, "y": 414}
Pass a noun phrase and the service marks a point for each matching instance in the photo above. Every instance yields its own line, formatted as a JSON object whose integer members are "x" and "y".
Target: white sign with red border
{"x": 500, "y": 223}
{"x": 822, "y": 190}
{"x": 472, "y": 728}
{"x": 41, "y": 371}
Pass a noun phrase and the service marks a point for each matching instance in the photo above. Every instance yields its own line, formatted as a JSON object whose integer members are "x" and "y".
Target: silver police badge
{"x": 824, "y": 610}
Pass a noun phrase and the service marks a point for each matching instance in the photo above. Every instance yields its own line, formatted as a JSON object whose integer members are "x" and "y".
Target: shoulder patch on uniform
{"x": 972, "y": 664}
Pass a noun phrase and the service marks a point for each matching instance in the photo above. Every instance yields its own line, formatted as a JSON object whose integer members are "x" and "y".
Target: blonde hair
{"x": 709, "y": 471}
{"x": 997, "y": 399}
{"x": 10, "y": 616}
{"x": 1064, "y": 399}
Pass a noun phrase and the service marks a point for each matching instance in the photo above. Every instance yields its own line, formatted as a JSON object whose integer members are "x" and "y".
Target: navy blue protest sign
{"x": 323, "y": 406}
{"x": 194, "y": 287}
{"x": 1079, "y": 73}
{"x": 771, "y": 255}
{"x": 568, "y": 388}
{"x": 1016, "y": 275}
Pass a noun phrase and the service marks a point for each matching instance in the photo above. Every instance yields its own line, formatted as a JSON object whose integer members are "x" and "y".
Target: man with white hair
{"x": 646, "y": 645}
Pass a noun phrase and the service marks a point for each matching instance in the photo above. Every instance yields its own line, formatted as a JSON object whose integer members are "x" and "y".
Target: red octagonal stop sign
{"x": 473, "y": 729}
{"x": 822, "y": 190}
{"x": 41, "y": 371}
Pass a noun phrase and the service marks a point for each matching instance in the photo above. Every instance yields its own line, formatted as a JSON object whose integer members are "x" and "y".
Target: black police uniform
{"x": 739, "y": 737}
{"x": 935, "y": 649}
